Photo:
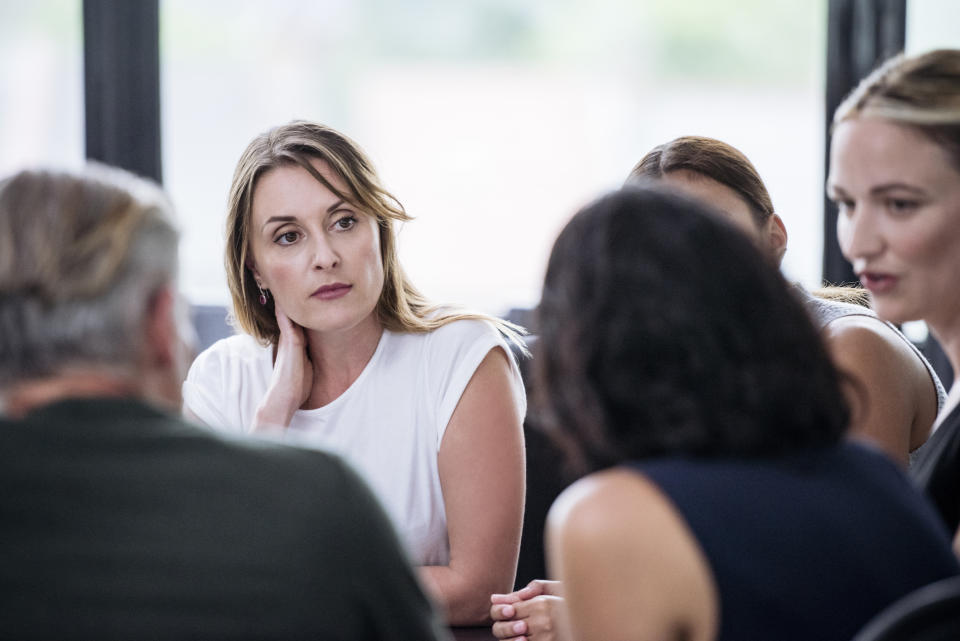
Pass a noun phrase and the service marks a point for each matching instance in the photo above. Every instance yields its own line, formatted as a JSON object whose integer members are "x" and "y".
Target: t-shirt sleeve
{"x": 204, "y": 390}
{"x": 456, "y": 350}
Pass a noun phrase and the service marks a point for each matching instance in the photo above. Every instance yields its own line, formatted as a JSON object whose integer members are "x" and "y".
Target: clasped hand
{"x": 536, "y": 612}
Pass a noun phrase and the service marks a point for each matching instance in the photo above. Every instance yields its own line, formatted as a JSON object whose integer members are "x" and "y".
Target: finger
{"x": 502, "y": 612}
{"x": 504, "y": 598}
{"x": 532, "y": 589}
{"x": 509, "y": 629}
{"x": 283, "y": 321}
{"x": 533, "y": 608}
{"x": 290, "y": 333}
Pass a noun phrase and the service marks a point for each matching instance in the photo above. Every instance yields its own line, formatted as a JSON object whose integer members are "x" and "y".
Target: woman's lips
{"x": 878, "y": 283}
{"x": 330, "y": 292}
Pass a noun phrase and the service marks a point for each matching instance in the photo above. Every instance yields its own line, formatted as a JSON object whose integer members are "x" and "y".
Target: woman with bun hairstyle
{"x": 895, "y": 394}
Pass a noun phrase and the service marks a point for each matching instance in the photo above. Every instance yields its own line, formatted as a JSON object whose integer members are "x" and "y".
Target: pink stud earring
{"x": 263, "y": 295}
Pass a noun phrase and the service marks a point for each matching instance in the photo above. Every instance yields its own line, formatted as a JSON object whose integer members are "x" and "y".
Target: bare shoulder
{"x": 594, "y": 505}
{"x": 870, "y": 339}
{"x": 630, "y": 564}
{"x": 621, "y": 512}
{"x": 899, "y": 397}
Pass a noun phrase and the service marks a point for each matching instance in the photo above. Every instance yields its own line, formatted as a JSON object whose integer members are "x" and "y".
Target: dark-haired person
{"x": 895, "y": 395}
{"x": 721, "y": 499}
{"x": 119, "y": 520}
{"x": 895, "y": 174}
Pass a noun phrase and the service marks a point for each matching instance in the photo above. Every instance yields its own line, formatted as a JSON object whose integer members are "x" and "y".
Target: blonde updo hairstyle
{"x": 921, "y": 92}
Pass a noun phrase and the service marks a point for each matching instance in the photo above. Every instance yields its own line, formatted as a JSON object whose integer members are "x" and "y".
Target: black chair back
{"x": 931, "y": 613}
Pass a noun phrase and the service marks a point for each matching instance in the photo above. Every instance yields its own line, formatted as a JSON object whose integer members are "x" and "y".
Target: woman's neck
{"x": 339, "y": 358}
{"x": 948, "y": 335}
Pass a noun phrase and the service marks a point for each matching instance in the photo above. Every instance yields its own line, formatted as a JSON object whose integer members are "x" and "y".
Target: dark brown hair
{"x": 665, "y": 332}
{"x": 714, "y": 159}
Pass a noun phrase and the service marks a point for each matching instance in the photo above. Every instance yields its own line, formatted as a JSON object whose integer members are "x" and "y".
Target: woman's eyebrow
{"x": 277, "y": 219}
{"x": 879, "y": 189}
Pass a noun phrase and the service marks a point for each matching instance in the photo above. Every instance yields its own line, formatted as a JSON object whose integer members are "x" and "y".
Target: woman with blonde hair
{"x": 895, "y": 175}
{"x": 341, "y": 352}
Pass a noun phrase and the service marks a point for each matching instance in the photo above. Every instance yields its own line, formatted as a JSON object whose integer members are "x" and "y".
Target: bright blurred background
{"x": 491, "y": 120}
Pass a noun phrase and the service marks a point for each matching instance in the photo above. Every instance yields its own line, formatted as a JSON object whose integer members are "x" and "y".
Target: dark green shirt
{"x": 118, "y": 521}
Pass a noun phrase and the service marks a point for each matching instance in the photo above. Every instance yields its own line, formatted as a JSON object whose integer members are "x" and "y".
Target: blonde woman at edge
{"x": 895, "y": 175}
{"x": 341, "y": 352}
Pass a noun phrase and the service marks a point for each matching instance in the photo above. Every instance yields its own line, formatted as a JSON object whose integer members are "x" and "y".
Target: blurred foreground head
{"x": 666, "y": 332}
{"x": 87, "y": 266}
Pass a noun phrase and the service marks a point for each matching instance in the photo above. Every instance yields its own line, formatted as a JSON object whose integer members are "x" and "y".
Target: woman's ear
{"x": 776, "y": 237}
{"x": 252, "y": 266}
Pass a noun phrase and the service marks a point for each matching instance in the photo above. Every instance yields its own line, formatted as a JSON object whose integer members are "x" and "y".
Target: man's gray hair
{"x": 82, "y": 255}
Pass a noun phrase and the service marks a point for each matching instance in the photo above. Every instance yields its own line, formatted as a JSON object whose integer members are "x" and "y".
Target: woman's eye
{"x": 287, "y": 238}
{"x": 345, "y": 223}
{"x": 898, "y": 205}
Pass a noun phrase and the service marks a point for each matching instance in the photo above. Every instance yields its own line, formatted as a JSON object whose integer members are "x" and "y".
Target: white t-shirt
{"x": 388, "y": 424}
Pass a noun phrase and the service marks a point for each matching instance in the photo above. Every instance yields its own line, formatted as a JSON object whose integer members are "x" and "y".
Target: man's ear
{"x": 776, "y": 237}
{"x": 168, "y": 347}
{"x": 160, "y": 328}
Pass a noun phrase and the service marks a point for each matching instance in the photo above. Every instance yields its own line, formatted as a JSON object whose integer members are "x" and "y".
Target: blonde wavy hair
{"x": 401, "y": 307}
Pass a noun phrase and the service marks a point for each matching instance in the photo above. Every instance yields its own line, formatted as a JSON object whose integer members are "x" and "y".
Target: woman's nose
{"x": 858, "y": 233}
{"x": 325, "y": 255}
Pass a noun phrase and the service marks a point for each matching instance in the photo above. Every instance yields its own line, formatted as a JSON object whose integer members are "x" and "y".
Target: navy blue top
{"x": 809, "y": 546}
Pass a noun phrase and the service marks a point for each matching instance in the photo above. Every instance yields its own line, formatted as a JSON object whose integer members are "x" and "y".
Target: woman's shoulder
{"x": 869, "y": 336}
{"x": 596, "y": 502}
{"x": 465, "y": 329}
{"x": 225, "y": 379}
{"x": 616, "y": 532}
{"x": 234, "y": 352}
{"x": 451, "y": 338}
{"x": 867, "y": 344}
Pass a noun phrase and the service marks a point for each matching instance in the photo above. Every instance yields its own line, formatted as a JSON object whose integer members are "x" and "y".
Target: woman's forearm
{"x": 465, "y": 600}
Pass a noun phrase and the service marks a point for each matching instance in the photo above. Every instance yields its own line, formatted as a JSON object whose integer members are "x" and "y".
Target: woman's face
{"x": 899, "y": 219}
{"x": 318, "y": 255}
{"x": 771, "y": 237}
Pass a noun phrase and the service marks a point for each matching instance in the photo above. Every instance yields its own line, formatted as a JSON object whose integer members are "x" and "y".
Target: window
{"x": 932, "y": 24}
{"x": 492, "y": 120}
{"x": 41, "y": 84}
